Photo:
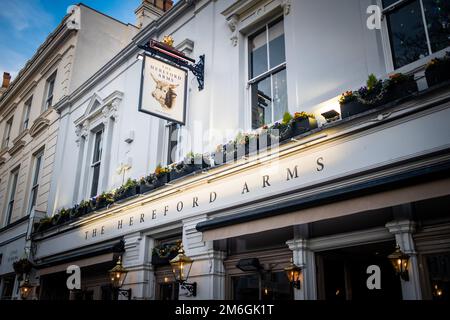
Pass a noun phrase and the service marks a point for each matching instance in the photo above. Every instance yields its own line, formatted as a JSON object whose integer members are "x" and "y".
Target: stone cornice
{"x": 40, "y": 123}
{"x": 18, "y": 145}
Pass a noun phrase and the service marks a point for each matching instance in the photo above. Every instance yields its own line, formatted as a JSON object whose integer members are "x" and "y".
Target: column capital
{"x": 401, "y": 226}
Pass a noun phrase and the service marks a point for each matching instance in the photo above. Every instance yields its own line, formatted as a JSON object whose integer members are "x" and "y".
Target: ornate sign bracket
{"x": 155, "y": 48}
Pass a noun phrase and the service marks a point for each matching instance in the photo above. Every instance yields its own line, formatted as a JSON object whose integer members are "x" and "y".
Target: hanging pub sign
{"x": 163, "y": 90}
{"x": 164, "y": 80}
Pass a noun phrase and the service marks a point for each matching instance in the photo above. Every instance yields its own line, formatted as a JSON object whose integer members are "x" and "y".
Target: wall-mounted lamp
{"x": 181, "y": 266}
{"x": 140, "y": 56}
{"x": 25, "y": 289}
{"x": 293, "y": 273}
{"x": 331, "y": 115}
{"x": 117, "y": 276}
{"x": 399, "y": 261}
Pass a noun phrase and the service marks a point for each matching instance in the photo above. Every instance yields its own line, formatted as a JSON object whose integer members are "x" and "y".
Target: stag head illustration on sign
{"x": 164, "y": 93}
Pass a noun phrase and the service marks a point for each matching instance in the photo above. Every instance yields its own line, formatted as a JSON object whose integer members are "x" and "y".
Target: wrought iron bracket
{"x": 126, "y": 293}
{"x": 198, "y": 69}
{"x": 190, "y": 287}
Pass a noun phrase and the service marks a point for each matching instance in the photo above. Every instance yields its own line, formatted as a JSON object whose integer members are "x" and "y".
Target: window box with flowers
{"x": 128, "y": 190}
{"x": 230, "y": 151}
{"x": 44, "y": 224}
{"x": 103, "y": 200}
{"x": 219, "y": 155}
{"x": 195, "y": 162}
{"x": 438, "y": 70}
{"x": 350, "y": 105}
{"x": 246, "y": 144}
{"x": 146, "y": 184}
{"x": 162, "y": 175}
{"x": 162, "y": 254}
{"x": 367, "y": 97}
{"x": 303, "y": 122}
{"x": 264, "y": 138}
{"x": 399, "y": 86}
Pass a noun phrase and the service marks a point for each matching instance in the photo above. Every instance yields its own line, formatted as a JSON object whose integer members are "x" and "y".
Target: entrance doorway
{"x": 342, "y": 273}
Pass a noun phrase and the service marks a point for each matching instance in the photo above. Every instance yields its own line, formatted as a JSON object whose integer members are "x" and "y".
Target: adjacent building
{"x": 83, "y": 42}
{"x": 335, "y": 198}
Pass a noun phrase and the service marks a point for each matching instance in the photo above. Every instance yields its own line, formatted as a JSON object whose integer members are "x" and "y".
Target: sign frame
{"x": 140, "y": 108}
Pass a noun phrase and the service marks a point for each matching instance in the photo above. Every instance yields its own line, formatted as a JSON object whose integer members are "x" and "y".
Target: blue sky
{"x": 25, "y": 24}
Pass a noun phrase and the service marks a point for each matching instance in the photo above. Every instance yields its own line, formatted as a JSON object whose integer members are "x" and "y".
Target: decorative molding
{"x": 3, "y": 151}
{"x": 28, "y": 89}
{"x": 18, "y": 145}
{"x": 7, "y": 111}
{"x": 186, "y": 46}
{"x": 39, "y": 124}
{"x": 81, "y": 131}
{"x": 286, "y": 5}
{"x": 51, "y": 64}
{"x": 2, "y": 161}
{"x": 233, "y": 22}
{"x": 20, "y": 136}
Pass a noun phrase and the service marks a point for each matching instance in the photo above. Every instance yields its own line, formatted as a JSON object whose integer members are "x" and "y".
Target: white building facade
{"x": 336, "y": 199}
{"x": 29, "y": 125}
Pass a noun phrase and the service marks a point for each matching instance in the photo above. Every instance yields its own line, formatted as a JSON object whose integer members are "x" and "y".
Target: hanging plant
{"x": 22, "y": 266}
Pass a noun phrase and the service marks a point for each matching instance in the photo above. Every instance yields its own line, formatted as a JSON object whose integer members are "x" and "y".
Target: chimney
{"x": 5, "y": 83}
{"x": 6, "y": 80}
{"x": 151, "y": 10}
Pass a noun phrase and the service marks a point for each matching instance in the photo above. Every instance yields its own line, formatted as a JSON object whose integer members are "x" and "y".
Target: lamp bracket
{"x": 190, "y": 287}
{"x": 126, "y": 293}
{"x": 155, "y": 48}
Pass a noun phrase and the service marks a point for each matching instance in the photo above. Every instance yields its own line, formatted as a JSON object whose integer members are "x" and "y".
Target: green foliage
{"x": 287, "y": 118}
{"x": 372, "y": 82}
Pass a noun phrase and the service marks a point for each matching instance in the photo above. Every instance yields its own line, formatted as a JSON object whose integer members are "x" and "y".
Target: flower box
{"x": 353, "y": 107}
{"x": 230, "y": 152}
{"x": 402, "y": 90}
{"x": 146, "y": 187}
{"x": 435, "y": 76}
{"x": 264, "y": 140}
{"x": 161, "y": 180}
{"x": 303, "y": 125}
{"x": 126, "y": 193}
{"x": 177, "y": 173}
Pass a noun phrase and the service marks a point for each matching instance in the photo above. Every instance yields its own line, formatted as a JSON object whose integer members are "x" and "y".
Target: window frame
{"x": 96, "y": 164}
{"x": 386, "y": 40}
{"x": 270, "y": 72}
{"x": 37, "y": 168}
{"x": 26, "y": 113}
{"x": 7, "y": 133}
{"x": 12, "y": 188}
{"x": 50, "y": 83}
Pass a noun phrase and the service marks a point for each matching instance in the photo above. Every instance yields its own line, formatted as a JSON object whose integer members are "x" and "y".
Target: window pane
{"x": 95, "y": 176}
{"x": 258, "y": 54}
{"x": 34, "y": 192}
{"x": 280, "y": 102}
{"x": 276, "y": 44}
{"x": 387, "y": 3}
{"x": 262, "y": 103}
{"x": 97, "y": 147}
{"x": 407, "y": 34}
{"x": 437, "y": 14}
{"x": 36, "y": 169}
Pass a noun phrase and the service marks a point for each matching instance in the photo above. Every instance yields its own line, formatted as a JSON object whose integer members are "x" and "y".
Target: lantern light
{"x": 117, "y": 276}
{"x": 399, "y": 261}
{"x": 25, "y": 289}
{"x": 181, "y": 267}
{"x": 293, "y": 273}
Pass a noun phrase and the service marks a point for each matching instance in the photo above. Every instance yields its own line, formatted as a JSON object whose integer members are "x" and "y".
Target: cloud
{"x": 24, "y": 15}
